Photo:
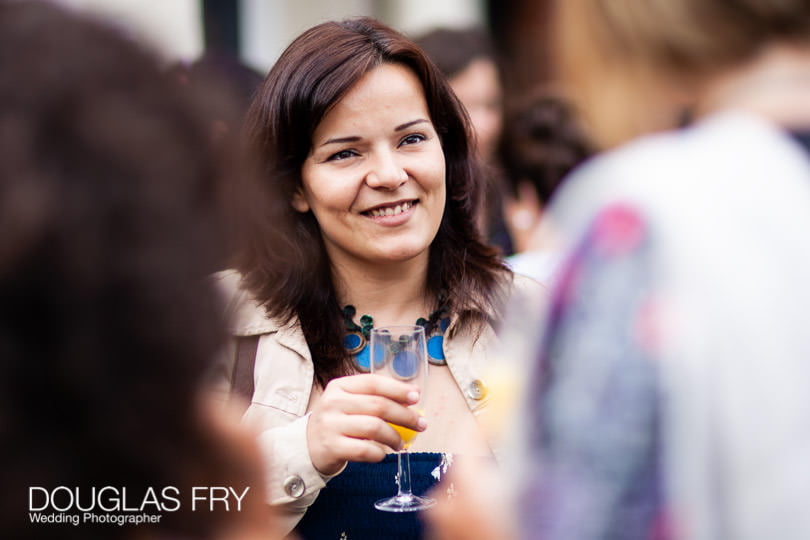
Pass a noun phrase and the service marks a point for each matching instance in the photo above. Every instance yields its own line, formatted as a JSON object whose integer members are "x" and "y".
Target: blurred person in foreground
{"x": 112, "y": 218}
{"x": 671, "y": 395}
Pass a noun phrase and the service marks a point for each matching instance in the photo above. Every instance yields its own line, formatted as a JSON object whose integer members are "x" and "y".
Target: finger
{"x": 379, "y": 385}
{"x": 358, "y": 449}
{"x": 383, "y": 408}
{"x": 371, "y": 428}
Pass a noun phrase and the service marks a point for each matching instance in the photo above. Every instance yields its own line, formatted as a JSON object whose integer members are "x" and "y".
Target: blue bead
{"x": 405, "y": 364}
{"x": 350, "y": 341}
{"x": 379, "y": 357}
{"x": 435, "y": 347}
{"x": 443, "y": 324}
{"x": 362, "y": 359}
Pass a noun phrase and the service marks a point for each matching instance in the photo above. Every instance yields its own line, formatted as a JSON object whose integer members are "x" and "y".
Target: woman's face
{"x": 375, "y": 176}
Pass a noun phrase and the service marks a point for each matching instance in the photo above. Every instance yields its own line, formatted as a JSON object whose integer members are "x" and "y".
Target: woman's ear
{"x": 299, "y": 201}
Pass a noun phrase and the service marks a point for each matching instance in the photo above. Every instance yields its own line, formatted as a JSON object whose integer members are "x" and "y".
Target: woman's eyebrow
{"x": 406, "y": 125}
{"x": 355, "y": 138}
{"x": 341, "y": 140}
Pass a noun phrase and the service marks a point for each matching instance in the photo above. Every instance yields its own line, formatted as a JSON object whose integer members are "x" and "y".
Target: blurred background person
{"x": 228, "y": 86}
{"x": 542, "y": 142}
{"x": 528, "y": 137}
{"x": 671, "y": 399}
{"x": 466, "y": 58}
{"x": 112, "y": 217}
{"x": 542, "y": 136}
{"x": 231, "y": 79}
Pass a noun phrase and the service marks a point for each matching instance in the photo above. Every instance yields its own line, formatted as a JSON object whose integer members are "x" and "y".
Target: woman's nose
{"x": 386, "y": 172}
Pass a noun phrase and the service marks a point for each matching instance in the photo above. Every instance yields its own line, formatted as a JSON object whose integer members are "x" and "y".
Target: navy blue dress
{"x": 344, "y": 509}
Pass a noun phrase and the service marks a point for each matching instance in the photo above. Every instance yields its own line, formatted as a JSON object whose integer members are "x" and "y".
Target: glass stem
{"x": 404, "y": 466}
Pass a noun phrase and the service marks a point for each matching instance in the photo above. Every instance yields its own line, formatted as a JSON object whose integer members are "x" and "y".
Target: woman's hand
{"x": 349, "y": 421}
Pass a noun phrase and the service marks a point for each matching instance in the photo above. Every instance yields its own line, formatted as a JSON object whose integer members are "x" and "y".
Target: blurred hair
{"x": 621, "y": 59}
{"x": 227, "y": 87}
{"x": 233, "y": 80}
{"x": 310, "y": 77}
{"x": 111, "y": 216}
{"x": 453, "y": 50}
{"x": 541, "y": 143}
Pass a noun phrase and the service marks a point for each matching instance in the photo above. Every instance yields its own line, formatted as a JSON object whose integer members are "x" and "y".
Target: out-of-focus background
{"x": 258, "y": 30}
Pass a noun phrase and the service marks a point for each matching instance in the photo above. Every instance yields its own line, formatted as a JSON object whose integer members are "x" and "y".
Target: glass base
{"x": 404, "y": 503}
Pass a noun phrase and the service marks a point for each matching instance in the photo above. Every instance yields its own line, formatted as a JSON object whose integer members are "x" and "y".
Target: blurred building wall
{"x": 175, "y": 27}
{"x": 268, "y": 26}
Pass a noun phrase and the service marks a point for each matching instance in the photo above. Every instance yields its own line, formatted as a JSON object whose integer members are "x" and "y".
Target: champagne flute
{"x": 400, "y": 352}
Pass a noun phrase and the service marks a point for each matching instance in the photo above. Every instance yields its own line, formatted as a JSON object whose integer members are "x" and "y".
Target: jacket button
{"x": 294, "y": 486}
{"x": 477, "y": 390}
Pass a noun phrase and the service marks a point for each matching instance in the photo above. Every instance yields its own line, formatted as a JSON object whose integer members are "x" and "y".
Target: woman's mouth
{"x": 392, "y": 210}
{"x": 392, "y": 215}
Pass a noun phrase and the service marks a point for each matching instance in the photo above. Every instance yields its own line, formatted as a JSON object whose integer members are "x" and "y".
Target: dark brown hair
{"x": 309, "y": 78}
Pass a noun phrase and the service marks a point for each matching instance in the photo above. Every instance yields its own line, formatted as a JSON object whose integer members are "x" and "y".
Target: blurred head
{"x": 542, "y": 143}
{"x": 224, "y": 76}
{"x": 109, "y": 203}
{"x": 315, "y": 92}
{"x": 466, "y": 59}
{"x": 631, "y": 65}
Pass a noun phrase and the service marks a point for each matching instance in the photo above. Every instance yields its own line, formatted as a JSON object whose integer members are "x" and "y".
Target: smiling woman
{"x": 371, "y": 189}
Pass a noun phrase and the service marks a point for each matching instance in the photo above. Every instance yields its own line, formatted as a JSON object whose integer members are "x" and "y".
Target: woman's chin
{"x": 401, "y": 254}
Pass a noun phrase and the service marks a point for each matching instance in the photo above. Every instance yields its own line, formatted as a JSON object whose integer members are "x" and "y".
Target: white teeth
{"x": 391, "y": 211}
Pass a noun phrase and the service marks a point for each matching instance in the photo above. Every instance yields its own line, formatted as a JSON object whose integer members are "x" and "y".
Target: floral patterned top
{"x": 670, "y": 397}
{"x": 598, "y": 482}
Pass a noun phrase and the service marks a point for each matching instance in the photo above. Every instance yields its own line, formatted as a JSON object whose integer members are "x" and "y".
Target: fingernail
{"x": 421, "y": 423}
{"x": 413, "y": 396}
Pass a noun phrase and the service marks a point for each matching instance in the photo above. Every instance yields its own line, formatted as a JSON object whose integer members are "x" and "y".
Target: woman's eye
{"x": 343, "y": 154}
{"x": 414, "y": 138}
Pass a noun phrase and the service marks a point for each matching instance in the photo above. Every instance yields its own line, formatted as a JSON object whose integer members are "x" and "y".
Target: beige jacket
{"x": 284, "y": 382}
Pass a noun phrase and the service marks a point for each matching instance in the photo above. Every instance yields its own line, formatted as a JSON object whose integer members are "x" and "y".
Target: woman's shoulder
{"x": 244, "y": 314}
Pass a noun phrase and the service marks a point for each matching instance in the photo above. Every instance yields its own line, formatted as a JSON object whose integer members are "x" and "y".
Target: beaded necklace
{"x": 357, "y": 336}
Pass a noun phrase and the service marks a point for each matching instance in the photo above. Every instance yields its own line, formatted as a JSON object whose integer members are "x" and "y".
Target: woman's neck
{"x": 393, "y": 293}
{"x": 776, "y": 86}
